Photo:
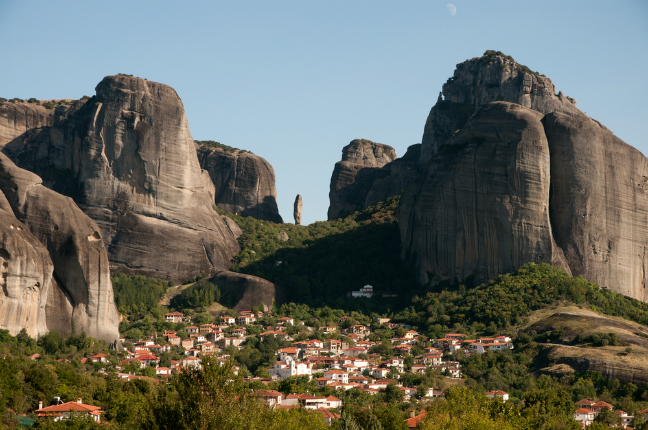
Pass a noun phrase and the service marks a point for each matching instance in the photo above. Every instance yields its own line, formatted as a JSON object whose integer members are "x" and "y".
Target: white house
{"x": 499, "y": 393}
{"x": 337, "y": 375}
{"x": 288, "y": 367}
{"x": 366, "y": 291}
{"x": 585, "y": 416}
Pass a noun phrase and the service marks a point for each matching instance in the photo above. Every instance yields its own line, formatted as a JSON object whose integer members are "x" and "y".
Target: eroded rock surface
{"x": 528, "y": 178}
{"x": 244, "y": 183}
{"x": 483, "y": 208}
{"x": 16, "y": 119}
{"x": 349, "y": 185}
{"x": 81, "y": 298}
{"x": 127, "y": 158}
{"x": 247, "y": 291}
{"x": 599, "y": 203}
{"x": 297, "y": 212}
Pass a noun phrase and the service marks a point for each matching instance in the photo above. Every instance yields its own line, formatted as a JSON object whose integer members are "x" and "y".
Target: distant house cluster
{"x": 588, "y": 410}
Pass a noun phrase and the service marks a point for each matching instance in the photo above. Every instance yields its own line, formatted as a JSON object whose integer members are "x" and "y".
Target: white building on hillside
{"x": 288, "y": 367}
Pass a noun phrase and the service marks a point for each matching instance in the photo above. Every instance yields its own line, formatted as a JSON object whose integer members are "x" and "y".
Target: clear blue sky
{"x": 295, "y": 81}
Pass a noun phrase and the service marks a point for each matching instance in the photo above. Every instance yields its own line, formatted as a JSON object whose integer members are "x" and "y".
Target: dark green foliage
{"x": 84, "y": 98}
{"x": 33, "y": 100}
{"x": 137, "y": 293}
{"x": 599, "y": 339}
{"x": 325, "y": 260}
{"x": 218, "y": 145}
{"x": 2, "y": 99}
{"x": 504, "y": 301}
{"x": 196, "y": 296}
{"x": 49, "y": 105}
{"x": 124, "y": 74}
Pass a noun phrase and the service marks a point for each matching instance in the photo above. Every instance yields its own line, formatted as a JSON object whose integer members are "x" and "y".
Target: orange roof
{"x": 413, "y": 422}
{"x": 584, "y": 411}
{"x": 67, "y": 407}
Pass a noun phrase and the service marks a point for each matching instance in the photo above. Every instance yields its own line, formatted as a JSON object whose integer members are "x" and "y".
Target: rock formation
{"x": 244, "y": 183}
{"x": 512, "y": 173}
{"x": 127, "y": 158}
{"x": 349, "y": 183}
{"x": 79, "y": 297}
{"x": 25, "y": 276}
{"x": 17, "y": 119}
{"x": 483, "y": 208}
{"x": 247, "y": 291}
{"x": 298, "y": 209}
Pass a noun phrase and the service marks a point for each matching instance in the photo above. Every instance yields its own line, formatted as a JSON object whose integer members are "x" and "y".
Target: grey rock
{"x": 127, "y": 158}
{"x": 244, "y": 183}
{"x": 247, "y": 291}
{"x": 360, "y": 160}
{"x": 483, "y": 80}
{"x": 82, "y": 297}
{"x": 283, "y": 236}
{"x": 599, "y": 203}
{"x": 233, "y": 226}
{"x": 17, "y": 119}
{"x": 297, "y": 212}
{"x": 25, "y": 276}
{"x": 482, "y": 208}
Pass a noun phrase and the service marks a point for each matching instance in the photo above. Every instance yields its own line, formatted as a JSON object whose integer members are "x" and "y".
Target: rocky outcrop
{"x": 530, "y": 178}
{"x": 353, "y": 176}
{"x": 127, "y": 158}
{"x": 297, "y": 212}
{"x": 483, "y": 208}
{"x": 81, "y": 297}
{"x": 16, "y": 119}
{"x": 244, "y": 183}
{"x": 247, "y": 291}
{"x": 599, "y": 203}
{"x": 25, "y": 276}
{"x": 479, "y": 81}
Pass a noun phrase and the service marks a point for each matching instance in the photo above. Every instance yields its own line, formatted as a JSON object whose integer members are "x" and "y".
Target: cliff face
{"x": 78, "y": 294}
{"x": 534, "y": 179}
{"x": 127, "y": 158}
{"x": 16, "y": 119}
{"x": 244, "y": 183}
{"x": 483, "y": 208}
{"x": 353, "y": 177}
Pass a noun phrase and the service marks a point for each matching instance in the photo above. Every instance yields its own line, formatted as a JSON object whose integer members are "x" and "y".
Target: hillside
{"x": 326, "y": 260}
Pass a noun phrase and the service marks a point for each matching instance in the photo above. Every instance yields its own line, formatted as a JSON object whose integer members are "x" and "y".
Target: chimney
{"x": 40, "y": 405}
{"x": 79, "y": 400}
{"x": 412, "y": 413}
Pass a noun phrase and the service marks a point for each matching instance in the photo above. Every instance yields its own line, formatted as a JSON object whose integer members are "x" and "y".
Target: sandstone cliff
{"x": 483, "y": 208}
{"x": 353, "y": 177}
{"x": 244, "y": 183}
{"x": 16, "y": 119}
{"x": 535, "y": 179}
{"x": 80, "y": 296}
{"x": 127, "y": 158}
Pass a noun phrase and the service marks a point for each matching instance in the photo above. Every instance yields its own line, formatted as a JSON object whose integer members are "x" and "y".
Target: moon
{"x": 452, "y": 9}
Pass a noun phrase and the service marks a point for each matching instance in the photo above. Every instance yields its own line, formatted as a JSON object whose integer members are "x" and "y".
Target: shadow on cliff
{"x": 325, "y": 269}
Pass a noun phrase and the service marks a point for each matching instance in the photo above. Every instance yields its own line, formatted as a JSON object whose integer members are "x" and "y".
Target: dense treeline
{"x": 325, "y": 260}
{"x": 197, "y": 296}
{"x": 505, "y": 301}
{"x": 137, "y": 293}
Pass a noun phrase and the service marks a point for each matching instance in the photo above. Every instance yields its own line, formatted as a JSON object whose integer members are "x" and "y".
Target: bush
{"x": 197, "y": 296}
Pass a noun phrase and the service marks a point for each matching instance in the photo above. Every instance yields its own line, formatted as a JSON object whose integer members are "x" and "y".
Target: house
{"x": 285, "y": 320}
{"x": 206, "y": 328}
{"x": 163, "y": 371}
{"x": 187, "y": 343}
{"x": 328, "y": 329}
{"x": 288, "y": 352}
{"x": 585, "y": 416}
{"x": 337, "y": 376}
{"x": 174, "y": 317}
{"x": 599, "y": 406}
{"x": 228, "y": 320}
{"x": 413, "y": 421}
{"x": 328, "y": 416}
{"x": 174, "y": 340}
{"x": 99, "y": 358}
{"x": 501, "y": 394}
{"x": 381, "y": 320}
{"x": 192, "y": 329}
{"x": 190, "y": 362}
{"x": 354, "y": 352}
{"x": 494, "y": 346}
{"x": 411, "y": 334}
{"x": 213, "y": 336}
{"x": 240, "y": 332}
{"x": 270, "y": 397}
{"x": 146, "y": 359}
{"x": 289, "y": 367}
{"x": 456, "y": 336}
{"x": 366, "y": 291}
{"x": 246, "y": 319}
{"x": 65, "y": 410}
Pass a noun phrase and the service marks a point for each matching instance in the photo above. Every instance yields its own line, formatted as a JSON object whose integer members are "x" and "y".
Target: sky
{"x": 296, "y": 81}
